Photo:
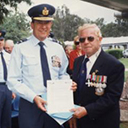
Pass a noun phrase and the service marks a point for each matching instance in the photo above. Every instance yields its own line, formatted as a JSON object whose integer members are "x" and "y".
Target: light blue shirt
{"x": 7, "y": 59}
{"x": 25, "y": 73}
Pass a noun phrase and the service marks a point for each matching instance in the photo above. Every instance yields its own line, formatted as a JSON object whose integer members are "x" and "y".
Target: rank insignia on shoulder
{"x": 21, "y": 41}
{"x": 97, "y": 81}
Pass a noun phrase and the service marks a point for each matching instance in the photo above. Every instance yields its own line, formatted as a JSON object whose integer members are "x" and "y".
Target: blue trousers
{"x": 30, "y": 116}
{"x": 5, "y": 106}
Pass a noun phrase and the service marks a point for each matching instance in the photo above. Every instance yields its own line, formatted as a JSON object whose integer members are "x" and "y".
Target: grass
{"x": 124, "y": 125}
{"x": 125, "y": 62}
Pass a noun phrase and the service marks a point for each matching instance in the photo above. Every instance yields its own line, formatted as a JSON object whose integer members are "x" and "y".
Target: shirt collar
{"x": 3, "y": 51}
{"x": 36, "y": 41}
{"x": 94, "y": 56}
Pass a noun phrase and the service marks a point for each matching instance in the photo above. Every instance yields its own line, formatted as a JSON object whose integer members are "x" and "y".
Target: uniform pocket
{"x": 30, "y": 65}
{"x": 29, "y": 60}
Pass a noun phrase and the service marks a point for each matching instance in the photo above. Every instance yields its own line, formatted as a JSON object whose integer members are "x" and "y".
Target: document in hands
{"x": 59, "y": 96}
{"x": 59, "y": 117}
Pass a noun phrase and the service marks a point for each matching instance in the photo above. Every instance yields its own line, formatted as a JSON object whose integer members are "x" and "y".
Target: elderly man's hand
{"x": 74, "y": 86}
{"x": 79, "y": 112}
{"x": 72, "y": 122}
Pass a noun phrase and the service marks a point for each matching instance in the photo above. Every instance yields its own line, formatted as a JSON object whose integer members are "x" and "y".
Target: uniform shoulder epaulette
{"x": 56, "y": 41}
{"x": 21, "y": 41}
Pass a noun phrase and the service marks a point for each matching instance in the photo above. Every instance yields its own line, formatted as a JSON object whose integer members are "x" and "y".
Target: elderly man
{"x": 32, "y": 64}
{"x": 100, "y": 79}
{"x": 9, "y": 44}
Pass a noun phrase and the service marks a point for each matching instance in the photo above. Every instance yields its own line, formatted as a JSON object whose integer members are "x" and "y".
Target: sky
{"x": 78, "y": 7}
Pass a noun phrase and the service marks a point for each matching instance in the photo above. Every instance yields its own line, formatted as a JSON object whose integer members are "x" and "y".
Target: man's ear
{"x": 100, "y": 39}
{"x": 32, "y": 25}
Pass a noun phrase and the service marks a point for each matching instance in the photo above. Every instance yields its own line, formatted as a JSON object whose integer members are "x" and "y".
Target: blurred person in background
{"x": 9, "y": 44}
{"x": 75, "y": 53}
{"x": 5, "y": 93}
{"x": 68, "y": 49}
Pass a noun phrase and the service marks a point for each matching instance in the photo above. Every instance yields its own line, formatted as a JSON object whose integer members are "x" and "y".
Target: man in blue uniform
{"x": 32, "y": 65}
{"x": 5, "y": 93}
{"x": 100, "y": 79}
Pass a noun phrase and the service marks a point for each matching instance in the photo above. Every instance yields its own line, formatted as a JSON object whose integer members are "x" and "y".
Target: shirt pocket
{"x": 30, "y": 64}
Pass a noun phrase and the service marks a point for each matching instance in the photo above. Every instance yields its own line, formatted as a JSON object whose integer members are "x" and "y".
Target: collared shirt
{"x": 92, "y": 60}
{"x": 7, "y": 59}
{"x": 25, "y": 73}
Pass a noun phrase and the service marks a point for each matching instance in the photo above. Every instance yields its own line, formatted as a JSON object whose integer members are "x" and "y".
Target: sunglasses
{"x": 77, "y": 43}
{"x": 90, "y": 39}
{"x": 1, "y": 39}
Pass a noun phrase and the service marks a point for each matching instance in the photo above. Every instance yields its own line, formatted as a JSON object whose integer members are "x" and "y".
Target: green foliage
{"x": 124, "y": 125}
{"x": 12, "y": 3}
{"x": 117, "y": 29}
{"x": 16, "y": 26}
{"x": 115, "y": 52}
{"x": 125, "y": 62}
{"x": 65, "y": 24}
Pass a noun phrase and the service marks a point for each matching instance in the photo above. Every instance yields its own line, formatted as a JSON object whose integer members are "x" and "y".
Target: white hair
{"x": 10, "y": 42}
{"x": 86, "y": 26}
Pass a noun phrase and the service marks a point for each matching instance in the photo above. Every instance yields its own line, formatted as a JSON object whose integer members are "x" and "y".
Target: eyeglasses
{"x": 90, "y": 39}
{"x": 77, "y": 43}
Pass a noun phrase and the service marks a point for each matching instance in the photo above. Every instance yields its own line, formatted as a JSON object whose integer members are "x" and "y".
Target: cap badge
{"x": 45, "y": 11}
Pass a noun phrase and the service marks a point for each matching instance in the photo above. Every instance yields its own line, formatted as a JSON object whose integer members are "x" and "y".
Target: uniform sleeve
{"x": 15, "y": 82}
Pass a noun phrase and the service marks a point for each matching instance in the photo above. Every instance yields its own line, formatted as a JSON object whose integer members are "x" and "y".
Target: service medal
{"x": 99, "y": 91}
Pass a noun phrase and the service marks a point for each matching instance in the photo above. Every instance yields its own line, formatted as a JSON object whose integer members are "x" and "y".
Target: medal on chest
{"x": 97, "y": 81}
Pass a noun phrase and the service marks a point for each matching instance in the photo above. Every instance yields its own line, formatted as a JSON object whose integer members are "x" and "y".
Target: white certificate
{"x": 59, "y": 96}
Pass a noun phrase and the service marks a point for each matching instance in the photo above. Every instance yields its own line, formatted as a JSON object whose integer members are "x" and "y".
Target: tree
{"x": 65, "y": 25}
{"x": 4, "y": 11}
{"x": 17, "y": 26}
{"x": 117, "y": 29}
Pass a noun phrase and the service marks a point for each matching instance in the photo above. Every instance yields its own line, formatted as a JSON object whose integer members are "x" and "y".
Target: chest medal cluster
{"x": 97, "y": 81}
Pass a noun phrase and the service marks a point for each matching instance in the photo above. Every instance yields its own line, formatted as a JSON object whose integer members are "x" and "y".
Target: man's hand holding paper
{"x": 40, "y": 103}
{"x": 74, "y": 86}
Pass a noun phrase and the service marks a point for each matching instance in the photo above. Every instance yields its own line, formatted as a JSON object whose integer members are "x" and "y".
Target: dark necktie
{"x": 44, "y": 64}
{"x": 4, "y": 67}
{"x": 83, "y": 73}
